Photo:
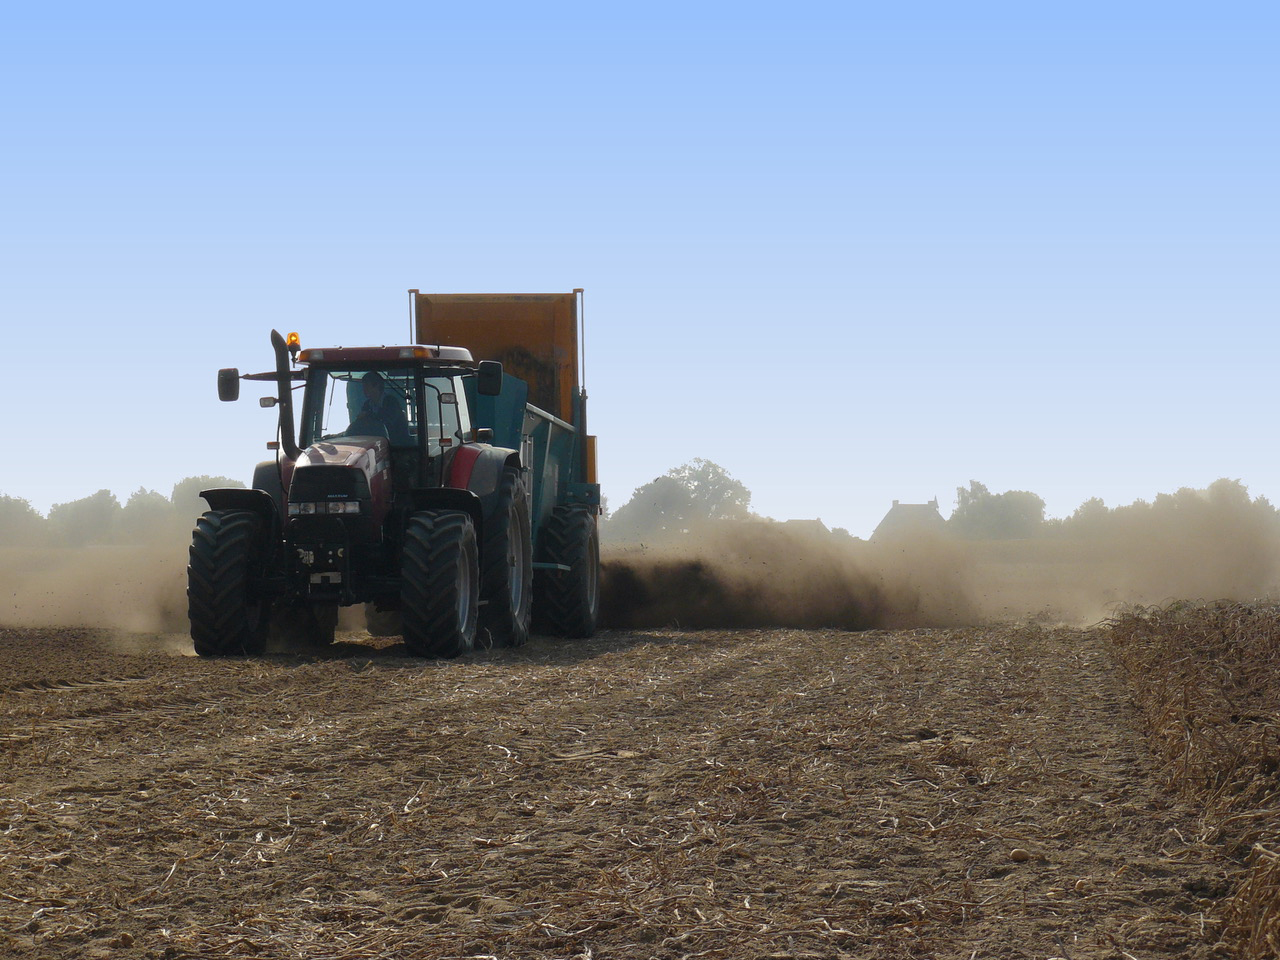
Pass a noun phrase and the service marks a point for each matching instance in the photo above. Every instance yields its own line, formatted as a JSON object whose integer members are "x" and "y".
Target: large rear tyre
{"x": 227, "y": 616}
{"x": 566, "y": 602}
{"x": 506, "y": 578}
{"x": 440, "y": 579}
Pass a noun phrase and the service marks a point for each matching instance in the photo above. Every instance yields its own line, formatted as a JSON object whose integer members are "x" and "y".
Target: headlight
{"x": 308, "y": 508}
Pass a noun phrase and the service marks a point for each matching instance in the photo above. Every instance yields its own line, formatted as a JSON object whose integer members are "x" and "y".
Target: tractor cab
{"x": 414, "y": 398}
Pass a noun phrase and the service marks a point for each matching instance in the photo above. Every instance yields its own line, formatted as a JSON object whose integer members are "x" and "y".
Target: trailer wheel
{"x": 506, "y": 579}
{"x": 227, "y": 618}
{"x": 566, "y": 603}
{"x": 440, "y": 579}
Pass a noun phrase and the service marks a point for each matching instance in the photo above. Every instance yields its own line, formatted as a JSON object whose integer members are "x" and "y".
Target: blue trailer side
{"x": 540, "y": 411}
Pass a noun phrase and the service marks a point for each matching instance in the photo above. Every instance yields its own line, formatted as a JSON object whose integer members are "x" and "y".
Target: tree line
{"x": 680, "y": 501}
{"x": 100, "y": 518}
{"x": 981, "y": 514}
{"x": 700, "y": 492}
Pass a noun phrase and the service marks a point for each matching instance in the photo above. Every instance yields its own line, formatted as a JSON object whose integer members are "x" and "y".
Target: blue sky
{"x": 851, "y": 253}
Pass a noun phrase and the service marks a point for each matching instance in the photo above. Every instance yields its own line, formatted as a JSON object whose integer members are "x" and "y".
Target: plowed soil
{"x": 966, "y": 793}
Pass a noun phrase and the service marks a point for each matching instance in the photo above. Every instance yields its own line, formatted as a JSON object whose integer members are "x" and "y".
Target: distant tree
{"x": 715, "y": 495}
{"x": 145, "y": 516}
{"x": 661, "y": 506}
{"x": 20, "y": 523}
{"x": 1205, "y": 512}
{"x": 983, "y": 515}
{"x": 1227, "y": 494}
{"x": 1091, "y": 511}
{"x": 1130, "y": 519}
{"x": 186, "y": 500}
{"x": 91, "y": 519}
{"x": 681, "y": 499}
{"x": 1090, "y": 517}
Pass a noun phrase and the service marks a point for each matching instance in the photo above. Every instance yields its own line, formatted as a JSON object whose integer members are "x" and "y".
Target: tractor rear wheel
{"x": 227, "y": 616}
{"x": 506, "y": 579}
{"x": 440, "y": 579}
{"x": 566, "y": 602}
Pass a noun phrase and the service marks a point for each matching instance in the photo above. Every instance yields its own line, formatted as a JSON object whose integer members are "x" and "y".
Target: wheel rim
{"x": 466, "y": 592}
{"x": 593, "y": 573}
{"x": 515, "y": 559}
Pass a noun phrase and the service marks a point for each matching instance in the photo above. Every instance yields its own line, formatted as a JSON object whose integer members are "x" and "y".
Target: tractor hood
{"x": 353, "y": 468}
{"x": 368, "y": 454}
{"x": 334, "y": 472}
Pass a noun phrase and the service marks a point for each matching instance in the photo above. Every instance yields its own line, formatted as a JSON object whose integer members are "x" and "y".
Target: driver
{"x": 381, "y": 407}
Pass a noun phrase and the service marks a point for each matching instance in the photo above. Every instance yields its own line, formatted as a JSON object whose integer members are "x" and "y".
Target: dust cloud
{"x": 1137, "y": 557}
{"x": 137, "y": 594}
{"x": 760, "y": 573}
{"x": 765, "y": 574}
{"x": 136, "y": 588}
{"x": 1191, "y": 545}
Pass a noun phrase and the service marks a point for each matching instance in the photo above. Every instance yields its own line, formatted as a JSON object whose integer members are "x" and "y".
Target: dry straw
{"x": 1206, "y": 677}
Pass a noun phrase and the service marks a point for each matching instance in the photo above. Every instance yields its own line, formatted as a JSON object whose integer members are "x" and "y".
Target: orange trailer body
{"x": 534, "y": 335}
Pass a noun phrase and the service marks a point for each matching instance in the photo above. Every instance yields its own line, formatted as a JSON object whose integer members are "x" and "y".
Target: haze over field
{"x": 688, "y": 552}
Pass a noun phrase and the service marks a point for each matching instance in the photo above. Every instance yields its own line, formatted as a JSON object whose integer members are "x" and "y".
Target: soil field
{"x": 964, "y": 793}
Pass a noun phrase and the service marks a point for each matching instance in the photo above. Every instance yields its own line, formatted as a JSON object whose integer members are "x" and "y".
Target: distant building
{"x": 910, "y": 519}
{"x": 807, "y": 526}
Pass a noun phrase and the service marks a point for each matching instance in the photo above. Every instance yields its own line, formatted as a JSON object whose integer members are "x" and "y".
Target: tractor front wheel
{"x": 227, "y": 616}
{"x": 440, "y": 579}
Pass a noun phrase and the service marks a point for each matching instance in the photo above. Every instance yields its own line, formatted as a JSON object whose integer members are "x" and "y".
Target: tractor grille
{"x": 328, "y": 483}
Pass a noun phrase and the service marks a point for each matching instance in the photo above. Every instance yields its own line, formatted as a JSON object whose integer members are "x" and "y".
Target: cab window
{"x": 441, "y": 405}
{"x": 339, "y": 404}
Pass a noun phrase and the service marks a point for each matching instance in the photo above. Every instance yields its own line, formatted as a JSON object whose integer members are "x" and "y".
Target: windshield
{"x": 395, "y": 404}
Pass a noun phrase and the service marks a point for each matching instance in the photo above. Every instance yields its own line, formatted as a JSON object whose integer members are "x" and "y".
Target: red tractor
{"x": 420, "y": 483}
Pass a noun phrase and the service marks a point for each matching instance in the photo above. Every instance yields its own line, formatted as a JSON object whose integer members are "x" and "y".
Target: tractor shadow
{"x": 389, "y": 653}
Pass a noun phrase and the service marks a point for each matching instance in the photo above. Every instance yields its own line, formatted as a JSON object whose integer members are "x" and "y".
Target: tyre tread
{"x": 562, "y": 605}
{"x": 225, "y": 620}
{"x": 434, "y": 545}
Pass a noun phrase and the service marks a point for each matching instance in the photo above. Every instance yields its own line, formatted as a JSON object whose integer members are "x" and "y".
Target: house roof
{"x": 904, "y": 519}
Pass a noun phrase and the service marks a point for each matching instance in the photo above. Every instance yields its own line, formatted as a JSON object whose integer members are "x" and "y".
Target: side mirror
{"x": 267, "y": 401}
{"x": 489, "y": 378}
{"x": 229, "y": 384}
